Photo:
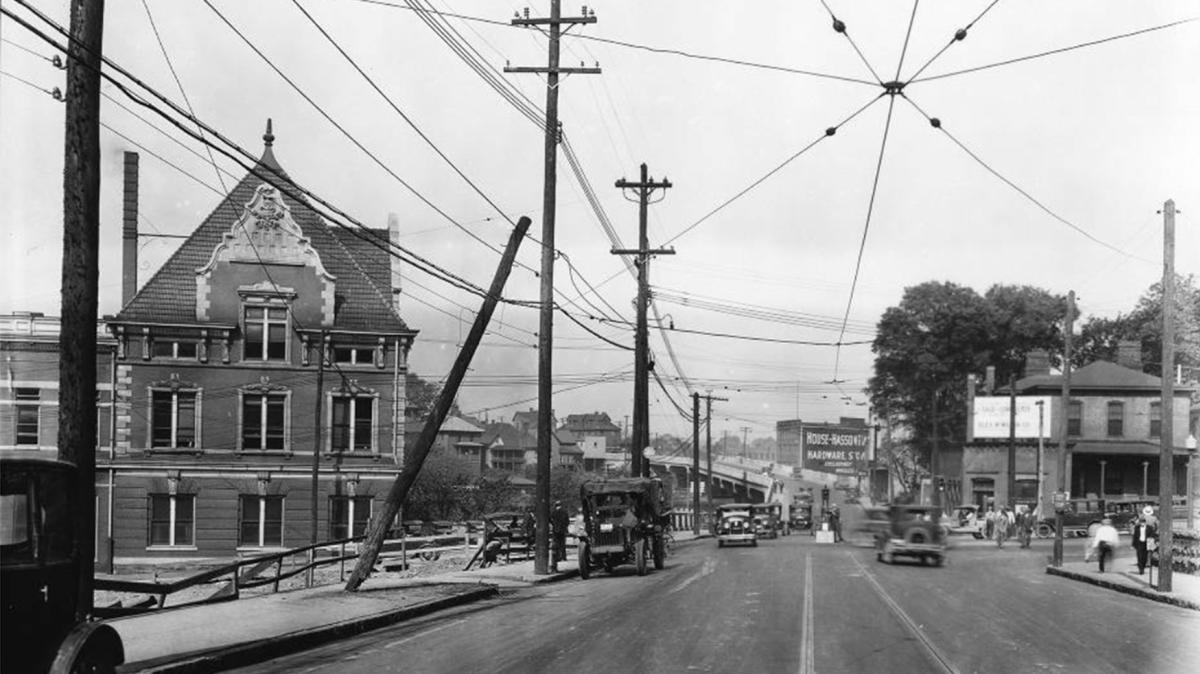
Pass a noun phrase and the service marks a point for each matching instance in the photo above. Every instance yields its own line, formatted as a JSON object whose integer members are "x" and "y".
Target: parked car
{"x": 736, "y": 525}
{"x": 967, "y": 519}
{"x": 913, "y": 531}
{"x": 39, "y": 573}
{"x": 768, "y": 520}
{"x": 624, "y": 521}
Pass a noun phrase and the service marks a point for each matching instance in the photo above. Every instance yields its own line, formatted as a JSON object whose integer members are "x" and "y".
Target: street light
{"x": 1191, "y": 486}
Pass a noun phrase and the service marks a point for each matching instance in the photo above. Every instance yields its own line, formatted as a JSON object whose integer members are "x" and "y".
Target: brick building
{"x": 266, "y": 320}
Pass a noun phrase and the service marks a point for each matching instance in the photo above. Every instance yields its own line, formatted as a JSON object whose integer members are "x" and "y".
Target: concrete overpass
{"x": 742, "y": 480}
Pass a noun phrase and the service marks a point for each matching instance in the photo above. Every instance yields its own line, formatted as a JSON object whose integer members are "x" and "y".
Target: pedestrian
{"x": 1151, "y": 518}
{"x": 1104, "y": 543}
{"x": 1024, "y": 526}
{"x": 558, "y": 529}
{"x": 990, "y": 521}
{"x": 835, "y": 523}
{"x": 491, "y": 552}
{"x": 1000, "y": 527}
{"x": 825, "y": 496}
{"x": 1145, "y": 541}
{"x": 529, "y": 526}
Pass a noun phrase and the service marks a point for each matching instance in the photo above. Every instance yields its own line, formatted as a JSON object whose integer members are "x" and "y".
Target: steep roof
{"x": 508, "y": 435}
{"x": 454, "y": 424}
{"x": 362, "y": 269}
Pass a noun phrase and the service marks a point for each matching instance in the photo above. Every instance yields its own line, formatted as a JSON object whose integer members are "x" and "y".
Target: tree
{"x": 440, "y": 490}
{"x": 1101, "y": 336}
{"x": 940, "y": 334}
{"x": 421, "y": 396}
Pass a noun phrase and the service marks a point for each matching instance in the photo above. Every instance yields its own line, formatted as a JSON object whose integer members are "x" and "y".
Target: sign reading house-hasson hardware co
{"x": 835, "y": 450}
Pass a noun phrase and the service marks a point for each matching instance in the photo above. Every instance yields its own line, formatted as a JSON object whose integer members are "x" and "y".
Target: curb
{"x": 241, "y": 655}
{"x": 1145, "y": 593}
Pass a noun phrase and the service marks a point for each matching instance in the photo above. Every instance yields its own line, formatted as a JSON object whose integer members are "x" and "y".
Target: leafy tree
{"x": 441, "y": 490}
{"x": 940, "y": 334}
{"x": 1101, "y": 336}
{"x": 421, "y": 396}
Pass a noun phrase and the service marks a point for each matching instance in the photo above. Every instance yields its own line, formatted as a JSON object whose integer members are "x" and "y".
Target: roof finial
{"x": 268, "y": 137}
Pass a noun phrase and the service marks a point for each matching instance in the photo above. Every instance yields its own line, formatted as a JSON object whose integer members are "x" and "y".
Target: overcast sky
{"x": 713, "y": 96}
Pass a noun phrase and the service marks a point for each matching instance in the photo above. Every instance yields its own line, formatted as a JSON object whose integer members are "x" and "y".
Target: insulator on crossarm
{"x": 935, "y": 122}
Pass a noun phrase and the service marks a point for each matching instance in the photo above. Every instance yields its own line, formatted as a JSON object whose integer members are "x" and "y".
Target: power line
{"x": 1056, "y": 51}
{"x": 840, "y": 27}
{"x": 862, "y": 244}
{"x": 959, "y": 36}
{"x": 937, "y": 124}
{"x": 908, "y": 34}
{"x": 828, "y": 132}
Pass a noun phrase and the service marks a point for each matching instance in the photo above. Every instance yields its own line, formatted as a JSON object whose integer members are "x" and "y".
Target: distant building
{"x": 594, "y": 425}
{"x": 840, "y": 447}
{"x": 1114, "y": 422}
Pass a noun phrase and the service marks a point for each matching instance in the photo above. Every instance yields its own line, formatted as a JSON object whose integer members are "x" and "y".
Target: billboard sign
{"x": 832, "y": 449}
{"x": 992, "y": 417}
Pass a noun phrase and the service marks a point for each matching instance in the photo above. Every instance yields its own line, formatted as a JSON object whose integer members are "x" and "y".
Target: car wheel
{"x": 754, "y": 543}
{"x": 659, "y": 555}
{"x": 584, "y": 560}
{"x": 639, "y": 554}
{"x": 1045, "y": 530}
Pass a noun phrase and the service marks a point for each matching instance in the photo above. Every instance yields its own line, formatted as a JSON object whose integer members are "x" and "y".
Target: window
{"x": 170, "y": 349}
{"x": 172, "y": 418}
{"x": 353, "y": 419}
{"x": 265, "y": 333}
{"x": 354, "y": 355}
{"x": 173, "y": 520}
{"x": 264, "y": 419}
{"x": 28, "y": 416}
{"x": 348, "y": 516}
{"x": 1156, "y": 419}
{"x": 1075, "y": 418}
{"x": 1116, "y": 419}
{"x": 261, "y": 523}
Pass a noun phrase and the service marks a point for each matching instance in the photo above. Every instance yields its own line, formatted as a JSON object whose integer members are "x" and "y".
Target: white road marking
{"x": 807, "y": 642}
{"x": 707, "y": 568}
{"x": 421, "y": 634}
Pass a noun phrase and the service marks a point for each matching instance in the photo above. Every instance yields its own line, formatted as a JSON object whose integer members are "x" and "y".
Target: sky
{"x": 1047, "y": 171}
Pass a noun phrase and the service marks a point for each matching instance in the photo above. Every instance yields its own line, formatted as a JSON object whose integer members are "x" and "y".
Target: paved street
{"x": 791, "y": 605}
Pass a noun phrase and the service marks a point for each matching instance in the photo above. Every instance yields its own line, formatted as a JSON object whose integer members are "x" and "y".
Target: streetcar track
{"x": 935, "y": 654}
{"x": 807, "y": 642}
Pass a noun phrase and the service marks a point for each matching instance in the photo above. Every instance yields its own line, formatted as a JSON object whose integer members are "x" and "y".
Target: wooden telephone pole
{"x": 696, "y": 465}
{"x": 545, "y": 424}
{"x": 1166, "y": 460}
{"x": 1056, "y": 558}
{"x": 644, "y": 188}
{"x": 709, "y": 398}
{"x": 80, "y": 280}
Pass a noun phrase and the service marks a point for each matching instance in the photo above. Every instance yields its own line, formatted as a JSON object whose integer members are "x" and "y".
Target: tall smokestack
{"x": 129, "y": 230}
{"x": 393, "y": 222}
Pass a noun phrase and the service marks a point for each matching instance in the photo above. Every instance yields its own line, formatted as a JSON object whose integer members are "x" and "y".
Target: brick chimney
{"x": 1037, "y": 362}
{"x": 129, "y": 230}
{"x": 393, "y": 222}
{"x": 1129, "y": 354}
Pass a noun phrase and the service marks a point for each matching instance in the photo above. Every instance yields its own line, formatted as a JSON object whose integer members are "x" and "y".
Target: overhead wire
{"x": 862, "y": 244}
{"x": 840, "y": 27}
{"x": 959, "y": 36}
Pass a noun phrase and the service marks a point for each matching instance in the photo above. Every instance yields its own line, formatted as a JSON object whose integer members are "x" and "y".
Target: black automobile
{"x": 624, "y": 521}
{"x": 39, "y": 573}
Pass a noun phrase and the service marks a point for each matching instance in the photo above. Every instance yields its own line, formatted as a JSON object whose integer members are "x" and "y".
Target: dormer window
{"x": 265, "y": 333}
{"x": 354, "y": 355}
{"x": 165, "y": 348}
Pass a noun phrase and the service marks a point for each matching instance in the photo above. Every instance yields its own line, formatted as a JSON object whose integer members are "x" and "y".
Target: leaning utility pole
{"x": 696, "y": 464}
{"x": 1064, "y": 406}
{"x": 381, "y": 521}
{"x": 641, "y": 368}
{"x": 80, "y": 282}
{"x": 1166, "y": 461}
{"x": 545, "y": 425}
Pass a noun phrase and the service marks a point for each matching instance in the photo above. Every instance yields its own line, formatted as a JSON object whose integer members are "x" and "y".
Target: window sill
{"x": 266, "y": 549}
{"x": 329, "y": 456}
{"x": 185, "y": 451}
{"x": 265, "y": 452}
{"x": 171, "y": 548}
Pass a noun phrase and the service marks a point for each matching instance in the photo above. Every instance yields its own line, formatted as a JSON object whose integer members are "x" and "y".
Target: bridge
{"x": 737, "y": 478}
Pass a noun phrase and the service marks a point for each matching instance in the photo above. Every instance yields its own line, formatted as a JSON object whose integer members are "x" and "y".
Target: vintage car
{"x": 736, "y": 525}
{"x": 768, "y": 520}
{"x": 874, "y": 522}
{"x": 913, "y": 531}
{"x": 967, "y": 519}
{"x": 800, "y": 516}
{"x": 39, "y": 573}
{"x": 624, "y": 521}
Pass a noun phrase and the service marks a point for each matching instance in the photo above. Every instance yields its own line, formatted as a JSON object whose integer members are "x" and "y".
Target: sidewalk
{"x": 241, "y": 632}
{"x": 1123, "y": 577}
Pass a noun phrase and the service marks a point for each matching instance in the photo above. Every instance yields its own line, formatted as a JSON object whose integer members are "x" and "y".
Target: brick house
{"x": 1114, "y": 423}
{"x": 266, "y": 319}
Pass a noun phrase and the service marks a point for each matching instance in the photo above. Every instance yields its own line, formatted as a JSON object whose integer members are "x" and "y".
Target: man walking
{"x": 558, "y": 529}
{"x": 1104, "y": 543}
{"x": 1145, "y": 540}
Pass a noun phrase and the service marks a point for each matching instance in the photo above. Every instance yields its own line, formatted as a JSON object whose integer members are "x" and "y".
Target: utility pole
{"x": 709, "y": 398}
{"x": 80, "y": 282}
{"x": 1041, "y": 405}
{"x": 745, "y": 440}
{"x": 641, "y": 368}
{"x": 398, "y": 493}
{"x": 1166, "y": 461}
{"x": 316, "y": 459}
{"x": 541, "y": 564}
{"x": 696, "y": 464}
{"x": 1012, "y": 442}
{"x": 1065, "y": 405}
